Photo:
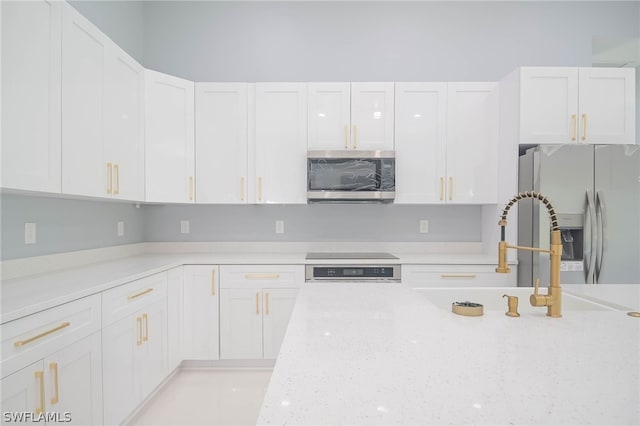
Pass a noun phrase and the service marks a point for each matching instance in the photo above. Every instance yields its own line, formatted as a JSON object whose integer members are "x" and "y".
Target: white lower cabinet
{"x": 255, "y": 305}
{"x": 418, "y": 276}
{"x": 134, "y": 346}
{"x": 201, "y": 297}
{"x": 53, "y": 365}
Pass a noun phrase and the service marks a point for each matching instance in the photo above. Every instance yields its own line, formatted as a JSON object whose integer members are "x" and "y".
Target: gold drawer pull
{"x": 441, "y": 188}
{"x": 261, "y": 276}
{"x": 584, "y": 127}
{"x": 258, "y": 303}
{"x": 54, "y": 367}
{"x": 116, "y": 171}
{"x": 109, "y": 178}
{"x": 40, "y": 376}
{"x": 267, "y": 307}
{"x": 465, "y": 276}
{"x": 574, "y": 126}
{"x": 346, "y": 137}
{"x": 46, "y": 333}
{"x": 450, "y": 188}
{"x": 149, "y": 290}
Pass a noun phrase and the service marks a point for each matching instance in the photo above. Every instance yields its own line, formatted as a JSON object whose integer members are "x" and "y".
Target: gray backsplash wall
{"x": 65, "y": 225}
{"x": 313, "y": 222}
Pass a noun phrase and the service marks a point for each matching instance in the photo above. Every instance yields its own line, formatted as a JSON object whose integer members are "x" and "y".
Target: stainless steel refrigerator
{"x": 595, "y": 190}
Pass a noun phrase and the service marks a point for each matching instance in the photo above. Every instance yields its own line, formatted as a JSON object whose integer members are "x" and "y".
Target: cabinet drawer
{"x": 28, "y": 339}
{"x": 456, "y": 276}
{"x": 261, "y": 276}
{"x": 126, "y": 299}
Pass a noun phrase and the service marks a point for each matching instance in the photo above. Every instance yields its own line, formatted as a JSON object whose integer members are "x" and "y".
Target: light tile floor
{"x": 207, "y": 397}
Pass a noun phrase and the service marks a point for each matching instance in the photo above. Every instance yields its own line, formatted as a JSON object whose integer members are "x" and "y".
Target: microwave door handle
{"x": 593, "y": 239}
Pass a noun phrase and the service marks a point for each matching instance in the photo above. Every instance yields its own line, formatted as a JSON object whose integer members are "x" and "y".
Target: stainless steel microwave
{"x": 351, "y": 176}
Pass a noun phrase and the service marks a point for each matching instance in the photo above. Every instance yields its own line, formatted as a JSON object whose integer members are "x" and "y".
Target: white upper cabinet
{"x": 372, "y": 116}
{"x": 420, "y": 142}
{"x": 279, "y": 150}
{"x": 221, "y": 142}
{"x": 446, "y": 143}
{"x": 84, "y": 53}
{"x": 607, "y": 105}
{"x": 124, "y": 124}
{"x": 31, "y": 55}
{"x": 329, "y": 114}
{"x": 102, "y": 114}
{"x": 169, "y": 139}
{"x": 575, "y": 105}
{"x": 472, "y": 143}
{"x": 350, "y": 116}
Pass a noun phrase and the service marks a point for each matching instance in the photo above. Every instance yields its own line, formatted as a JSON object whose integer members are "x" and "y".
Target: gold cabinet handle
{"x": 46, "y": 333}
{"x": 464, "y": 276}
{"x": 257, "y": 303}
{"x": 584, "y": 127}
{"x": 145, "y": 319}
{"x": 213, "y": 282}
{"x": 450, "y": 188}
{"x": 116, "y": 172}
{"x": 147, "y": 291}
{"x": 54, "y": 367}
{"x": 574, "y": 127}
{"x": 346, "y": 137}
{"x": 441, "y": 188}
{"x": 139, "y": 337}
{"x": 190, "y": 188}
{"x": 261, "y": 276}
{"x": 109, "y": 178}
{"x": 242, "y": 188}
{"x": 40, "y": 377}
{"x": 267, "y": 303}
{"x": 260, "y": 188}
{"x": 355, "y": 136}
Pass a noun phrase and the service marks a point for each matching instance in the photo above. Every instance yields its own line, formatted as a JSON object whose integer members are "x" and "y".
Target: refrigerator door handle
{"x": 594, "y": 238}
{"x": 602, "y": 232}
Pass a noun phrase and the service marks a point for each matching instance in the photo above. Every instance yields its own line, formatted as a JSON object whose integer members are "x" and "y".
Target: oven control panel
{"x": 353, "y": 273}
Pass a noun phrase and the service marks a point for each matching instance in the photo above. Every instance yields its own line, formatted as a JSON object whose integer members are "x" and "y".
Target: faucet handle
{"x": 536, "y": 299}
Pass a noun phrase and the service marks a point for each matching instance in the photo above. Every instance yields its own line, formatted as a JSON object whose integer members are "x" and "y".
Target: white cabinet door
{"x": 201, "y": 312}
{"x": 606, "y": 104}
{"x": 84, "y": 171}
{"x": 74, "y": 381}
{"x": 329, "y": 115}
{"x": 169, "y": 139}
{"x": 372, "y": 116}
{"x": 124, "y": 124}
{"x": 175, "y": 317}
{"x": 152, "y": 356}
{"x": 548, "y": 105}
{"x": 280, "y": 143}
{"x": 420, "y": 142}
{"x": 221, "y": 142}
{"x": 278, "y": 305}
{"x": 23, "y": 392}
{"x": 31, "y": 73}
{"x": 121, "y": 378}
{"x": 240, "y": 324}
{"x": 472, "y": 143}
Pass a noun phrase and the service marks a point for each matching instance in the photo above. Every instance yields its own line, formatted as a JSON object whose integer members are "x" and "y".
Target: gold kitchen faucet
{"x": 553, "y": 299}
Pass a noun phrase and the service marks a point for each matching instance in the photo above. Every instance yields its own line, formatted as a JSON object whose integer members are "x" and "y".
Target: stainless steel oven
{"x": 351, "y": 176}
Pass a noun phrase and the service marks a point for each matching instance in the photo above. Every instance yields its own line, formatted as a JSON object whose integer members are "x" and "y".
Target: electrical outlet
{"x": 120, "y": 229}
{"x": 184, "y": 227}
{"x": 279, "y": 226}
{"x": 424, "y": 226}
{"x": 30, "y": 233}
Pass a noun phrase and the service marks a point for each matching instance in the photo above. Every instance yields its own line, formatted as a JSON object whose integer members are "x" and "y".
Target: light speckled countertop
{"x": 363, "y": 354}
{"x": 26, "y": 295}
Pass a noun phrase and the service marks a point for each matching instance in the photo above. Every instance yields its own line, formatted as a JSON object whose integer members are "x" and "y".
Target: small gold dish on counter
{"x": 469, "y": 309}
{"x": 634, "y": 314}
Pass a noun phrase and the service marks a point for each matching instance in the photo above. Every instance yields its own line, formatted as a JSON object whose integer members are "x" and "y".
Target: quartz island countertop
{"x": 367, "y": 354}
